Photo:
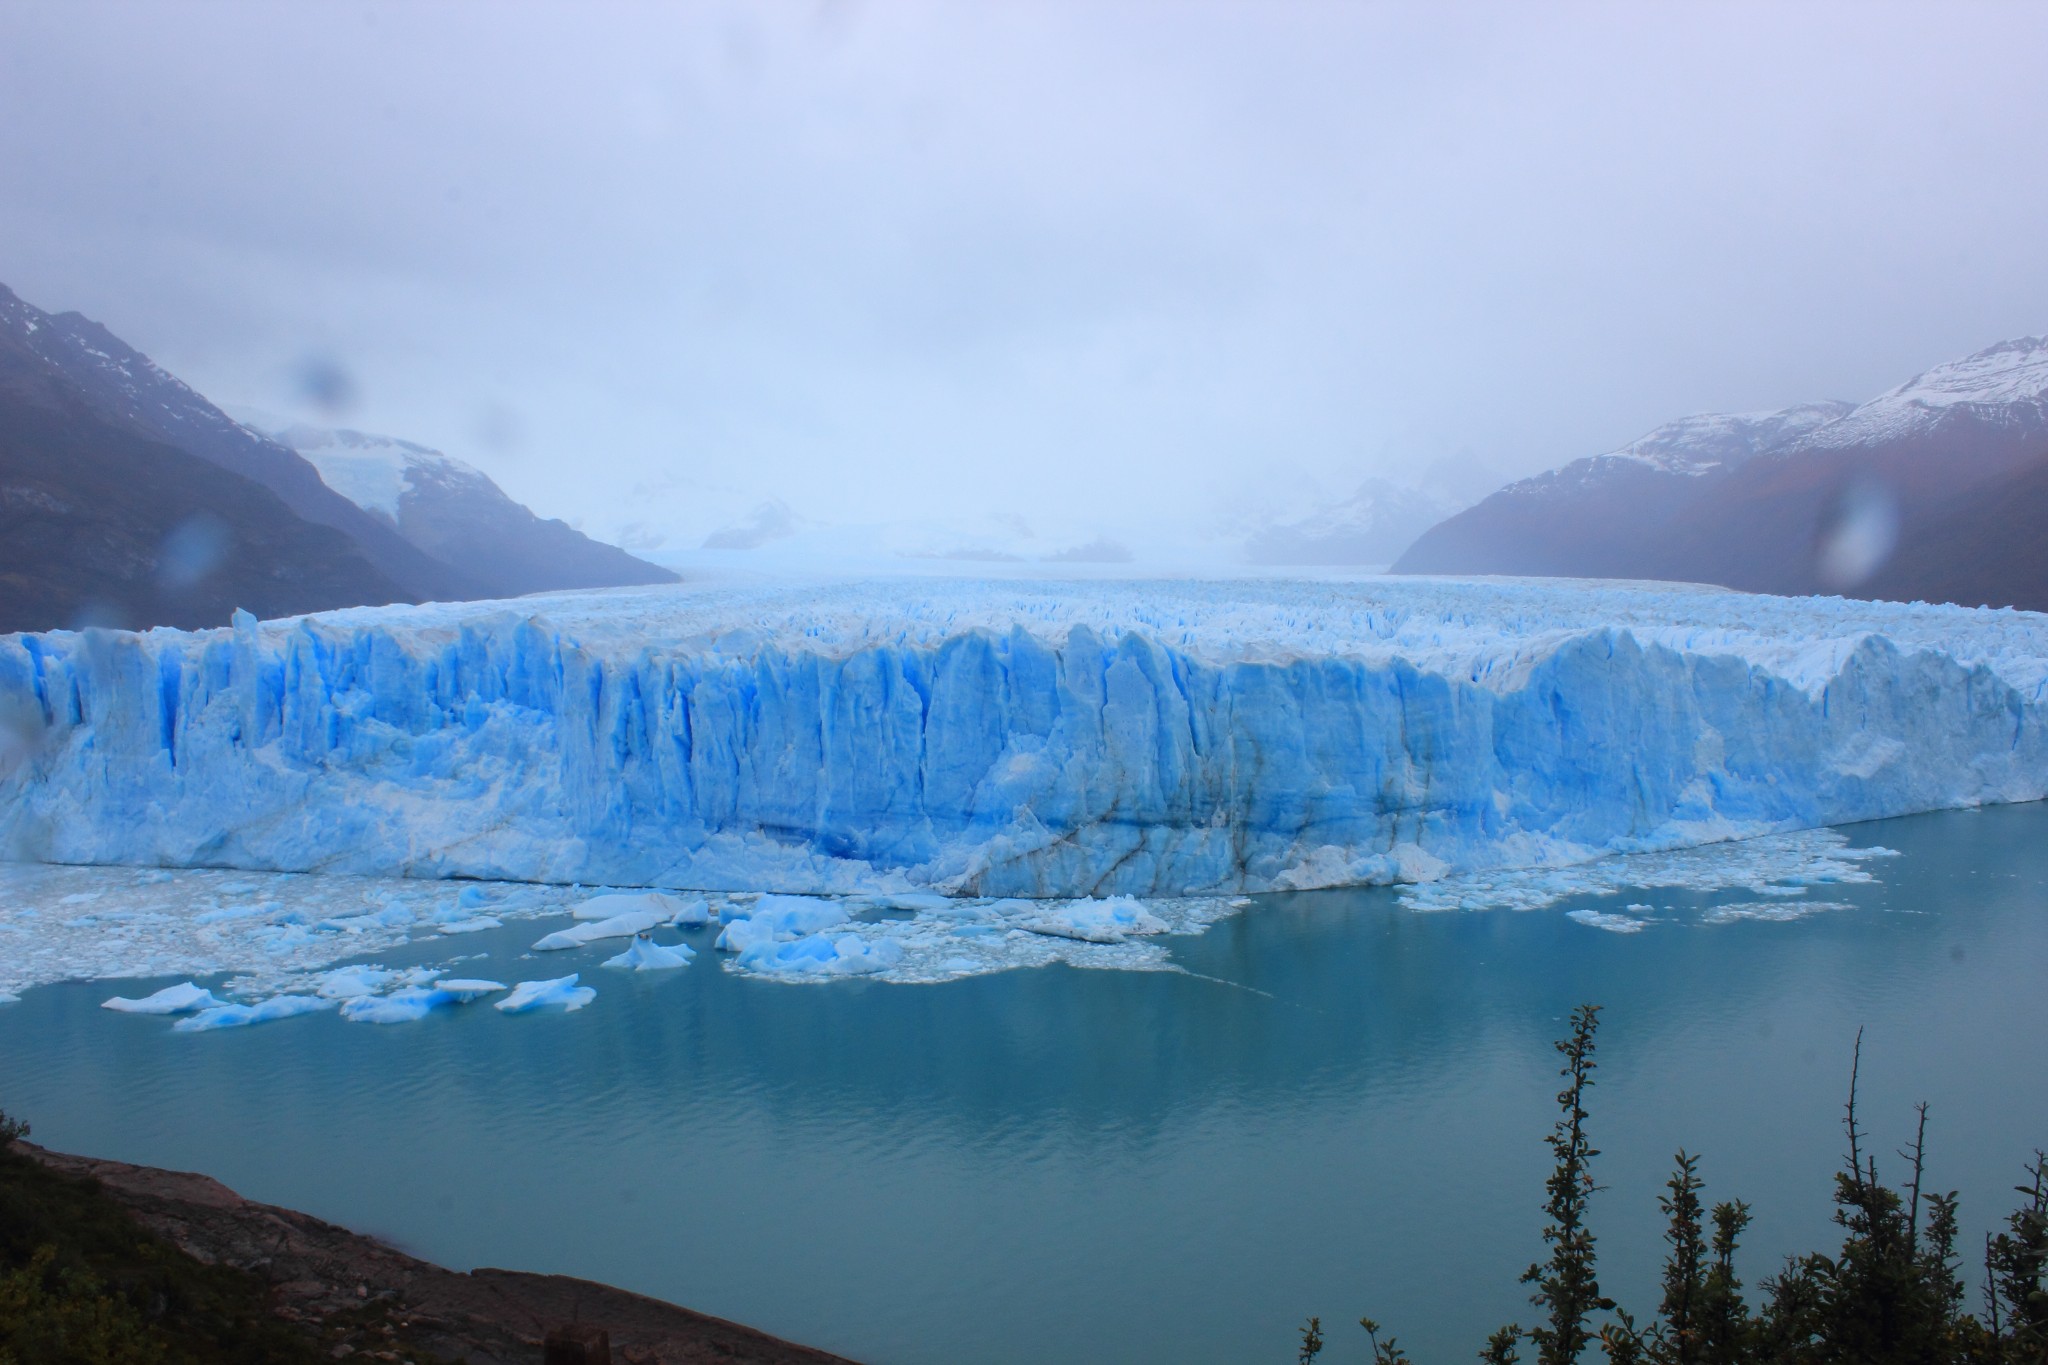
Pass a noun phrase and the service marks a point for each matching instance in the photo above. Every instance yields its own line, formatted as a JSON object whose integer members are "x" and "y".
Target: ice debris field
{"x": 939, "y": 778}
{"x": 277, "y": 937}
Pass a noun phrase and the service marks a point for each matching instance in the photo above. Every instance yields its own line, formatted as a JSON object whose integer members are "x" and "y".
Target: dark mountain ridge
{"x": 1901, "y": 497}
{"x": 129, "y": 389}
{"x": 101, "y": 525}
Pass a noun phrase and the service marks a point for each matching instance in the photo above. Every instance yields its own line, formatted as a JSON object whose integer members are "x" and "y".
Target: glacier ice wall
{"x": 1011, "y": 739}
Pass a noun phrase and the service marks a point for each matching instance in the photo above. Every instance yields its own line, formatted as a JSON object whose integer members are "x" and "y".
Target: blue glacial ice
{"x": 1050, "y": 740}
{"x": 624, "y": 925}
{"x": 466, "y": 989}
{"x": 648, "y": 956}
{"x": 262, "y": 1012}
{"x": 183, "y": 998}
{"x": 820, "y": 956}
{"x": 562, "y": 993}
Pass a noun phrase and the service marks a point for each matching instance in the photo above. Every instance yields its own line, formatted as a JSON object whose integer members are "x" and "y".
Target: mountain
{"x": 455, "y": 513}
{"x": 2002, "y": 522}
{"x": 1371, "y": 527}
{"x": 1918, "y": 493}
{"x": 103, "y": 525}
{"x": 1601, "y": 516}
{"x": 127, "y": 389}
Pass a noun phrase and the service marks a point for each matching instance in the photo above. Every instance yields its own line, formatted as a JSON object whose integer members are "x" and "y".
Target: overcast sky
{"x": 1111, "y": 267}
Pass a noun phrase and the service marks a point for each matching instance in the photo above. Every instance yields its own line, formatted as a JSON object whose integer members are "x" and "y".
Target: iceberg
{"x": 648, "y": 956}
{"x": 561, "y": 993}
{"x": 466, "y": 989}
{"x": 692, "y": 912}
{"x": 399, "y": 1007}
{"x": 475, "y": 924}
{"x": 183, "y": 998}
{"x": 821, "y": 955}
{"x": 1094, "y": 921}
{"x": 350, "y": 983}
{"x": 1050, "y": 740}
{"x": 777, "y": 918}
{"x": 661, "y": 908}
{"x": 241, "y": 1016}
{"x": 626, "y": 925}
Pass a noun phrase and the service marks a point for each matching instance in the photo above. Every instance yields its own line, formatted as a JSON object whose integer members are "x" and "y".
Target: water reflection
{"x": 1337, "y": 1109}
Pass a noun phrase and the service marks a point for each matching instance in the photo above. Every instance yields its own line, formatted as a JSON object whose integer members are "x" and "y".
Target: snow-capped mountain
{"x": 107, "y": 522}
{"x": 456, "y": 513}
{"x": 1872, "y": 499}
{"x": 132, "y": 391}
{"x": 2004, "y": 386}
{"x": 1596, "y": 517}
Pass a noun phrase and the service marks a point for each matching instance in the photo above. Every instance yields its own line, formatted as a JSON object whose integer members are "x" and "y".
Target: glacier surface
{"x": 990, "y": 739}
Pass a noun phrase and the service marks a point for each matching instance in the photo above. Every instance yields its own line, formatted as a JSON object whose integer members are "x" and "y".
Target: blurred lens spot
{"x": 498, "y": 428}
{"x": 99, "y": 614}
{"x": 324, "y": 383}
{"x": 21, "y": 733}
{"x": 192, "y": 551}
{"x": 1860, "y": 537}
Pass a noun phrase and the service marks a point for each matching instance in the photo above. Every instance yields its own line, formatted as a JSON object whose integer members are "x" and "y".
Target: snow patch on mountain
{"x": 373, "y": 472}
{"x": 1707, "y": 443}
{"x": 2006, "y": 384}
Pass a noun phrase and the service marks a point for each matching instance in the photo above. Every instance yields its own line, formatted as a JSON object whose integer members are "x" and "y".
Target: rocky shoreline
{"x": 365, "y": 1299}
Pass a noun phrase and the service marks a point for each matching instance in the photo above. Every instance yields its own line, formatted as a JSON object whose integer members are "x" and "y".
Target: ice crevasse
{"x": 1011, "y": 739}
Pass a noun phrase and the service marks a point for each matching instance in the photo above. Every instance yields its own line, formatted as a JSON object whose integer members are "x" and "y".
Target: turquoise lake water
{"x": 1338, "y": 1109}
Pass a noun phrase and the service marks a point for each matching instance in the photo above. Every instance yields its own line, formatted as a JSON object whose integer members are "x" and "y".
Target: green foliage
{"x": 1383, "y": 1353}
{"x": 1311, "y": 1341}
{"x": 1567, "y": 1287}
{"x": 63, "y": 1314}
{"x": 2015, "y": 1262}
{"x": 1500, "y": 1347}
{"x": 1891, "y": 1295}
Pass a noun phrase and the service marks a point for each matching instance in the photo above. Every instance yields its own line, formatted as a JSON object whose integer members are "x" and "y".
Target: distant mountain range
{"x": 454, "y": 512}
{"x": 128, "y": 499}
{"x": 1933, "y": 491}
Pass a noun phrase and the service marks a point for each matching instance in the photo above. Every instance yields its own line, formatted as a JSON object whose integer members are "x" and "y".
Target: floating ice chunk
{"x": 346, "y": 983}
{"x": 692, "y": 912}
{"x": 1095, "y": 921}
{"x": 798, "y": 914}
{"x": 182, "y": 998}
{"x": 226, "y": 913}
{"x": 474, "y": 897}
{"x": 742, "y": 934}
{"x": 927, "y": 902}
{"x": 472, "y": 925}
{"x": 822, "y": 955}
{"x": 468, "y": 988}
{"x": 9, "y": 998}
{"x": 561, "y": 993}
{"x": 774, "y": 919}
{"x": 1768, "y": 910}
{"x": 610, "y": 906}
{"x": 399, "y": 1007}
{"x": 1614, "y": 924}
{"x": 648, "y": 956}
{"x": 625, "y": 925}
{"x": 262, "y": 1012}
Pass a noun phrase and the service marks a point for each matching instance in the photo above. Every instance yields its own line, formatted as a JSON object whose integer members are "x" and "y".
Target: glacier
{"x": 1010, "y": 739}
